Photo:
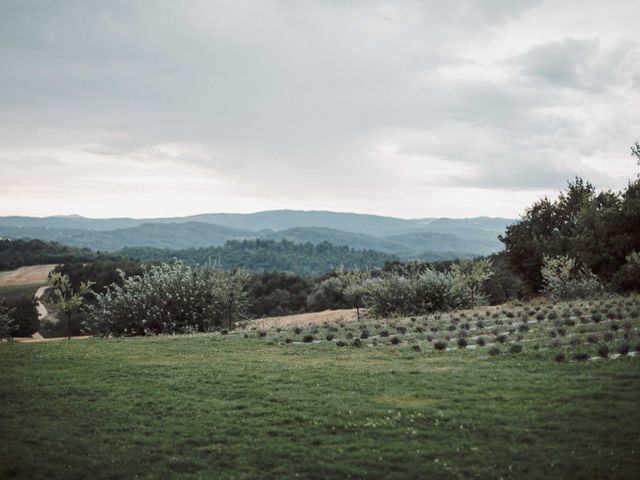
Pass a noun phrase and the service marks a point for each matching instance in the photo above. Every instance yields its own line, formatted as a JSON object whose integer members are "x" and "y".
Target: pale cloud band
{"x": 412, "y": 109}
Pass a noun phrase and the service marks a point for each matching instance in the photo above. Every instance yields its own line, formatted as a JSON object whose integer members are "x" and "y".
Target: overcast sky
{"x": 411, "y": 109}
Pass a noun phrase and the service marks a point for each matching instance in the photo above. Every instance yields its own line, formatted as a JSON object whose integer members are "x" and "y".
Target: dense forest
{"x": 599, "y": 230}
{"x": 20, "y": 253}
{"x": 304, "y": 259}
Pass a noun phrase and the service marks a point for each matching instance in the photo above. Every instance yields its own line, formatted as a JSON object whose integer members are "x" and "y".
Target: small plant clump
{"x": 603, "y": 351}
{"x": 515, "y": 348}
{"x": 440, "y": 345}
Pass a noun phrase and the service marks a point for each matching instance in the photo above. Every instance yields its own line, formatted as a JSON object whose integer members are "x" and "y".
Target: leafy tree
{"x": 627, "y": 279}
{"x": 170, "y": 298}
{"x": 355, "y": 286}
{"x": 229, "y": 294}
{"x": 328, "y": 294}
{"x": 65, "y": 298}
{"x": 635, "y": 150}
{"x": 471, "y": 275}
{"x": 277, "y": 293}
{"x": 7, "y": 326}
{"x": 25, "y": 315}
{"x": 598, "y": 230}
{"x": 565, "y": 278}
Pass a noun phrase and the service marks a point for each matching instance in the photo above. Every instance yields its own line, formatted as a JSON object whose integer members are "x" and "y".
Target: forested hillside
{"x": 267, "y": 255}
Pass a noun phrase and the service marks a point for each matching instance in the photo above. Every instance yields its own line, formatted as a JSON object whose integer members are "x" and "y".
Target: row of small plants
{"x": 578, "y": 330}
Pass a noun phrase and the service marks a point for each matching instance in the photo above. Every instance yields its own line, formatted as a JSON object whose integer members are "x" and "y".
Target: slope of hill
{"x": 317, "y": 235}
{"x": 405, "y": 238}
{"x": 169, "y": 235}
{"x": 268, "y": 255}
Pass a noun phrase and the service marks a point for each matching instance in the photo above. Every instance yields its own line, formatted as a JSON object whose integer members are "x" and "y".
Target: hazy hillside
{"x": 405, "y": 238}
{"x": 184, "y": 235}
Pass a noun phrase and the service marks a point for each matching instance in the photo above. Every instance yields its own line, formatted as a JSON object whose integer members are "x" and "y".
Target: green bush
{"x": 440, "y": 345}
{"x": 515, "y": 348}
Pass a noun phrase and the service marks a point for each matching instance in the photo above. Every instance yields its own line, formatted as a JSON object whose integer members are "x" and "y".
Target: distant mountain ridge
{"x": 406, "y": 238}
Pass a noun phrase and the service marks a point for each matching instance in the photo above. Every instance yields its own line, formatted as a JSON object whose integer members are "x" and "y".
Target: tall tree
{"x": 65, "y": 298}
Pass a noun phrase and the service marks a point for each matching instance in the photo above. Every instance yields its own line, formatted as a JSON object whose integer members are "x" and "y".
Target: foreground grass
{"x": 215, "y": 406}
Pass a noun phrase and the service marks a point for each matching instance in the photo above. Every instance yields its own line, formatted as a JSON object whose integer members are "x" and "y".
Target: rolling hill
{"x": 405, "y": 238}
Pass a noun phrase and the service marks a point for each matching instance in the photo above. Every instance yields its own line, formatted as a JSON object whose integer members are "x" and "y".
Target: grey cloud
{"x": 580, "y": 63}
{"x": 293, "y": 96}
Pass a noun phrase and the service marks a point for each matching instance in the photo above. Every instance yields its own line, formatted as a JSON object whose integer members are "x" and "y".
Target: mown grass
{"x": 225, "y": 406}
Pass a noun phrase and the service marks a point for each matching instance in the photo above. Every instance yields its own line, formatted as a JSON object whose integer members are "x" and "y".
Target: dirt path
{"x": 45, "y": 340}
{"x": 42, "y": 310}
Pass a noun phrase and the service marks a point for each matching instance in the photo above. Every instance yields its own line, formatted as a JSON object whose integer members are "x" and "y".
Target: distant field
{"x": 261, "y": 403}
{"x": 26, "y": 275}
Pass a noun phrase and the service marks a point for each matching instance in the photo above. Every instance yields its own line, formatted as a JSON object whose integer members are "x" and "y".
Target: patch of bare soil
{"x": 43, "y": 340}
{"x": 26, "y": 275}
{"x": 305, "y": 319}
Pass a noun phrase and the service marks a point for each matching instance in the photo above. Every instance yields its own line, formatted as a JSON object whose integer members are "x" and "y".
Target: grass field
{"x": 251, "y": 404}
{"x": 26, "y": 275}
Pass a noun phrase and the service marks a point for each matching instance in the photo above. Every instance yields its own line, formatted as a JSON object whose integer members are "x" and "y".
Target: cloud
{"x": 369, "y": 105}
{"x": 581, "y": 64}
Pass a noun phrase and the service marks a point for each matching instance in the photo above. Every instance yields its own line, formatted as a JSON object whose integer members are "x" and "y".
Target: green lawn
{"x": 214, "y": 406}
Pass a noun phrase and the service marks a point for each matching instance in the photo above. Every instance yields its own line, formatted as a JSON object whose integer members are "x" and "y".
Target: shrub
{"x": 357, "y": 342}
{"x": 560, "y": 357}
{"x": 516, "y": 348}
{"x": 581, "y": 356}
{"x": 603, "y": 351}
{"x": 297, "y": 330}
{"x": 330, "y": 336}
{"x": 416, "y": 348}
{"x": 430, "y": 291}
{"x": 395, "y": 340}
{"x": 481, "y": 341}
{"x": 262, "y": 333}
{"x": 288, "y": 340}
{"x": 501, "y": 338}
{"x": 564, "y": 278}
{"x": 462, "y": 342}
{"x": 341, "y": 343}
{"x": 224, "y": 331}
{"x": 493, "y": 351}
{"x": 624, "y": 349}
{"x": 307, "y": 338}
{"x": 440, "y": 345}
{"x": 384, "y": 333}
{"x": 170, "y": 298}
